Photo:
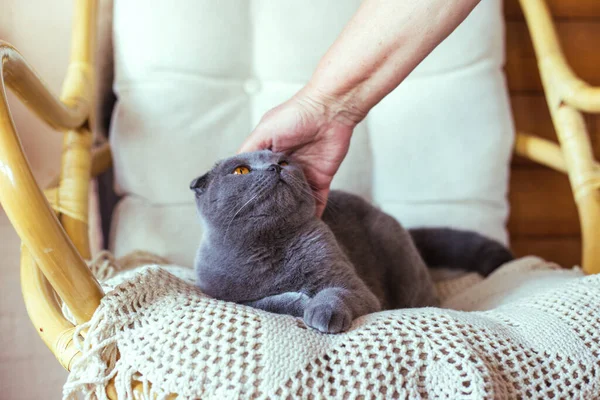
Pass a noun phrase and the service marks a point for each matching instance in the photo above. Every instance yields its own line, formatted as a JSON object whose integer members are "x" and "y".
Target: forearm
{"x": 383, "y": 42}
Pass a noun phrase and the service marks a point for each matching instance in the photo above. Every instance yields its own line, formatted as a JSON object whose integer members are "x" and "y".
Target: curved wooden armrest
{"x": 24, "y": 203}
{"x": 22, "y": 80}
{"x": 46, "y": 313}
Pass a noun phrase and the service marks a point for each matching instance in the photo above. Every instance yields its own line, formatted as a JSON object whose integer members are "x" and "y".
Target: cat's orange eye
{"x": 241, "y": 170}
{"x": 283, "y": 163}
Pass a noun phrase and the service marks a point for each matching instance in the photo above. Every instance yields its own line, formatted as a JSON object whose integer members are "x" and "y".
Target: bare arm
{"x": 383, "y": 42}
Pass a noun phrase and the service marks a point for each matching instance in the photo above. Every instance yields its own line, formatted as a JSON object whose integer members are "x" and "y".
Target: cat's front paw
{"x": 328, "y": 317}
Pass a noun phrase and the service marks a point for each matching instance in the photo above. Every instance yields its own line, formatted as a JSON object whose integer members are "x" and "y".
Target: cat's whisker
{"x": 260, "y": 192}
{"x": 298, "y": 185}
{"x": 316, "y": 196}
{"x": 331, "y": 205}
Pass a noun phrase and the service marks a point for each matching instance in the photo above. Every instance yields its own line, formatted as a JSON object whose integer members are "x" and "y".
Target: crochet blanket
{"x": 530, "y": 330}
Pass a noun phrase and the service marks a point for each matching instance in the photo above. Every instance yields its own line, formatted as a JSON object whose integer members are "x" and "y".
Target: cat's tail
{"x": 452, "y": 248}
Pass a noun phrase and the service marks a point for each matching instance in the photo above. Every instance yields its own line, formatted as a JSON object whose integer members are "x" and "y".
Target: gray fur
{"x": 445, "y": 247}
{"x": 263, "y": 247}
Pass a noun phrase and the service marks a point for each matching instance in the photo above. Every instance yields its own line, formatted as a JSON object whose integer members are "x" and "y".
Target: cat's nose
{"x": 274, "y": 167}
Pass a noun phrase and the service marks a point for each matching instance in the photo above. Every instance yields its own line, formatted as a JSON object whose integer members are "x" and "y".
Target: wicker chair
{"x": 53, "y": 225}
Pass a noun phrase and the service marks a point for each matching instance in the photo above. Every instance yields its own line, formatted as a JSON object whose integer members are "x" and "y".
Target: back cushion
{"x": 193, "y": 77}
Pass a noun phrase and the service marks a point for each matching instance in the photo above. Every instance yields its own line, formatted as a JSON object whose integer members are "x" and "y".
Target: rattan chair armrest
{"x": 27, "y": 208}
{"x": 35, "y": 222}
{"x": 20, "y": 77}
{"x": 45, "y": 312}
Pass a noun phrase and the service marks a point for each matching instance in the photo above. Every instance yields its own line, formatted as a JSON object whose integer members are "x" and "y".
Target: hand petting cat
{"x": 360, "y": 68}
{"x": 309, "y": 127}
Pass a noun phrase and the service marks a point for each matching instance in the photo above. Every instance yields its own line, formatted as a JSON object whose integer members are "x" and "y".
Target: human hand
{"x": 316, "y": 129}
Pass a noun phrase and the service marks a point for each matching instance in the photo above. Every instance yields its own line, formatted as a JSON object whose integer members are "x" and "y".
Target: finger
{"x": 319, "y": 183}
{"x": 321, "y": 201}
{"x": 259, "y": 139}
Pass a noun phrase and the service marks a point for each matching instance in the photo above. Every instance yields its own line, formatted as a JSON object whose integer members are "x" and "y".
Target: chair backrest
{"x": 216, "y": 80}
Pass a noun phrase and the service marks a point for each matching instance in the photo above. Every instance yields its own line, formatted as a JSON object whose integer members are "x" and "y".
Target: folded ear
{"x": 200, "y": 184}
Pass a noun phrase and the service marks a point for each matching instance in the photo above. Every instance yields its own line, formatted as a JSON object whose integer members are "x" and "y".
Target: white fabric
{"x": 530, "y": 330}
{"x": 193, "y": 77}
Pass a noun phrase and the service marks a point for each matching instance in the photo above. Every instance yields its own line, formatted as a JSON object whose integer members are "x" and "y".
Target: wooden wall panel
{"x": 541, "y": 204}
{"x": 559, "y": 9}
{"x": 580, "y": 42}
{"x": 565, "y": 251}
{"x": 531, "y": 114}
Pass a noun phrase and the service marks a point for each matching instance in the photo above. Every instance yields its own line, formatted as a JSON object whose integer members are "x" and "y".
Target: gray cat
{"x": 262, "y": 246}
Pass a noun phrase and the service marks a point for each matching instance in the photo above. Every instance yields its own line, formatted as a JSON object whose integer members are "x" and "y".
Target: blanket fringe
{"x": 100, "y": 361}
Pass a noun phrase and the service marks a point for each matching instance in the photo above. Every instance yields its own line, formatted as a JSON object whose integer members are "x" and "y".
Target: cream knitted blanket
{"x": 530, "y": 330}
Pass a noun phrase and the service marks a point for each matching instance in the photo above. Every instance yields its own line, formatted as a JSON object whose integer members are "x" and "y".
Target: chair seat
{"x": 529, "y": 330}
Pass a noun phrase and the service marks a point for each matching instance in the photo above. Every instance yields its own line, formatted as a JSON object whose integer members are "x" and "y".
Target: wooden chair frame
{"x": 53, "y": 224}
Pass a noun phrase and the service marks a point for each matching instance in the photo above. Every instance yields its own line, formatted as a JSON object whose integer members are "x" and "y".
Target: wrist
{"x": 339, "y": 106}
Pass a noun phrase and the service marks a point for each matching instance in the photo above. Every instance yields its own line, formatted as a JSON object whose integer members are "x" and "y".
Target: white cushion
{"x": 193, "y": 77}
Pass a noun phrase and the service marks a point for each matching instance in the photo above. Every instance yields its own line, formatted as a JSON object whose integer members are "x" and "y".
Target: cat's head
{"x": 261, "y": 189}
